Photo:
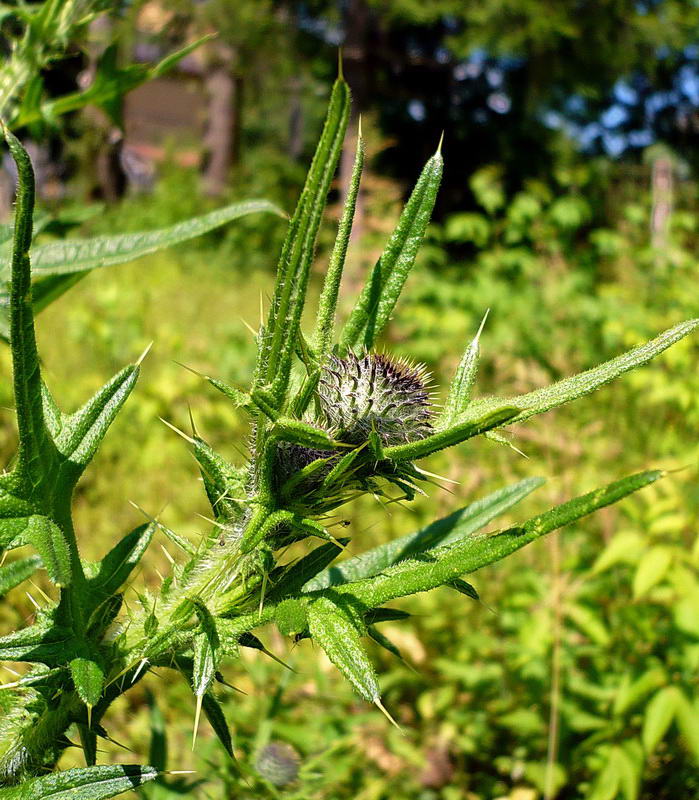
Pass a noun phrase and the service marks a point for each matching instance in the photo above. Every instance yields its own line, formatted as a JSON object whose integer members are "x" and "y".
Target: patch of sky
{"x": 460, "y": 71}
{"x": 625, "y": 93}
{"x": 640, "y": 138}
{"x": 614, "y": 116}
{"x": 688, "y": 80}
{"x": 614, "y": 143}
{"x": 494, "y": 76}
{"x": 575, "y": 104}
{"x": 442, "y": 55}
{"x": 499, "y": 102}
{"x": 324, "y": 29}
{"x": 660, "y": 100}
{"x": 416, "y": 109}
{"x": 589, "y": 133}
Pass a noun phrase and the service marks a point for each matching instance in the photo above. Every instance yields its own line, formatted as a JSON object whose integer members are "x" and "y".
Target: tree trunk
{"x": 224, "y": 90}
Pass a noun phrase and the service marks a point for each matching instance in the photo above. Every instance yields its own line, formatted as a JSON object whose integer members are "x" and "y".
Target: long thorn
{"x": 383, "y": 710}
{"x": 178, "y": 431}
{"x": 197, "y": 715}
{"x": 141, "y": 358}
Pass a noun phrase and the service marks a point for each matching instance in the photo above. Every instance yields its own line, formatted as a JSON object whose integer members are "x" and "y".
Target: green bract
{"x": 331, "y": 420}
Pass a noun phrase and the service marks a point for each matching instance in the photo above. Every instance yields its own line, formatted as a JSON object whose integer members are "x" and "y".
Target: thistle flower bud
{"x": 278, "y": 763}
{"x": 375, "y": 392}
{"x": 357, "y": 396}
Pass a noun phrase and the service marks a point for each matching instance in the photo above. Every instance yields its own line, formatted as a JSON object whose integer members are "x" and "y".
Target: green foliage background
{"x": 596, "y": 629}
{"x": 610, "y": 608}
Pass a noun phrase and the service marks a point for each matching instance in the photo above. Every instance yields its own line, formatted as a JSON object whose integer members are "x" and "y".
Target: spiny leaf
{"x": 334, "y": 628}
{"x": 87, "y": 783}
{"x": 43, "y": 643}
{"x": 383, "y": 641}
{"x": 51, "y": 544}
{"x": 376, "y": 615}
{"x": 564, "y": 391}
{"x": 452, "y": 528}
{"x": 222, "y": 481}
{"x": 302, "y": 433}
{"x": 379, "y": 295}
{"x": 36, "y": 450}
{"x": 327, "y": 306}
{"x": 13, "y": 574}
{"x": 492, "y": 417}
{"x": 206, "y": 650}
{"x": 464, "y": 588}
{"x": 114, "y": 569}
{"x": 217, "y": 720}
{"x": 214, "y": 713}
{"x": 88, "y": 679}
{"x": 82, "y": 432}
{"x": 462, "y": 385}
{"x": 281, "y": 337}
{"x": 69, "y": 256}
{"x": 443, "y": 564}
{"x": 240, "y": 399}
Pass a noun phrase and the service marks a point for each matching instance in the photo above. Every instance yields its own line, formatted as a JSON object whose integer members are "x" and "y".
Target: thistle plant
{"x": 331, "y": 419}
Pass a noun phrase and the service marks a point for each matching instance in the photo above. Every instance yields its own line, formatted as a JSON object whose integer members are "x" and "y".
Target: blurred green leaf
{"x": 659, "y": 713}
{"x": 651, "y": 569}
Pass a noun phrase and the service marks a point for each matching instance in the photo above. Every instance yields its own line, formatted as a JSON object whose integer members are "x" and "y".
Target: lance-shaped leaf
{"x": 453, "y": 528}
{"x": 379, "y": 295}
{"x": 70, "y": 256}
{"x": 53, "y": 448}
{"x": 444, "y": 564}
{"x": 36, "y": 450}
{"x": 464, "y": 378}
{"x": 281, "y": 337}
{"x": 564, "y": 391}
{"x": 41, "y": 643}
{"x": 214, "y": 713}
{"x": 376, "y": 615}
{"x": 206, "y": 647}
{"x": 87, "y": 783}
{"x": 223, "y": 482}
{"x": 302, "y": 433}
{"x": 333, "y": 625}
{"x": 13, "y": 574}
{"x": 327, "y": 305}
{"x": 114, "y": 569}
{"x": 492, "y": 417}
{"x": 82, "y": 432}
{"x": 217, "y": 720}
{"x": 383, "y": 641}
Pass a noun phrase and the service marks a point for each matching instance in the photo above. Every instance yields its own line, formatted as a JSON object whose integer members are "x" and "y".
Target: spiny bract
{"x": 375, "y": 392}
